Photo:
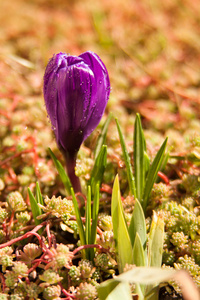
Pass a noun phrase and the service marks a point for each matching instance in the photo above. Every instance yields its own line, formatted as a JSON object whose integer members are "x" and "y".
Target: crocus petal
{"x": 50, "y": 93}
{"x": 102, "y": 83}
{"x": 74, "y": 98}
{"x": 76, "y": 91}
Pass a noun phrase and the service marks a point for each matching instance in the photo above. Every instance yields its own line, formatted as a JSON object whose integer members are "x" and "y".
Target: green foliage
{"x": 155, "y": 241}
{"x": 130, "y": 176}
{"x": 102, "y": 136}
{"x": 141, "y": 183}
{"x": 87, "y": 235}
{"x": 79, "y": 221}
{"x": 65, "y": 179}
{"x": 98, "y": 169}
{"x": 137, "y": 224}
{"x": 152, "y": 173}
{"x": 139, "y": 158}
{"x": 36, "y": 210}
{"x": 120, "y": 229}
{"x": 95, "y": 211}
{"x": 110, "y": 290}
{"x": 131, "y": 240}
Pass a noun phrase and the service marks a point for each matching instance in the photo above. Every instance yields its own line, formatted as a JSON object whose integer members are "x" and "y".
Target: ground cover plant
{"x": 135, "y": 208}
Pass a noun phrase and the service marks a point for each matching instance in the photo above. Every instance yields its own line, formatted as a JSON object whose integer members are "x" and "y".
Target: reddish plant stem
{"x": 69, "y": 295}
{"x": 163, "y": 177}
{"x": 40, "y": 260}
{"x": 26, "y": 235}
{"x": 70, "y": 165}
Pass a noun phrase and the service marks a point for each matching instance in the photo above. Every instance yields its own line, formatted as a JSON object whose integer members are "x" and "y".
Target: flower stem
{"x": 70, "y": 165}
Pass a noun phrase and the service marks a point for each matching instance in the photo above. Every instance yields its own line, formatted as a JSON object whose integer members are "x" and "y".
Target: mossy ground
{"x": 151, "y": 51}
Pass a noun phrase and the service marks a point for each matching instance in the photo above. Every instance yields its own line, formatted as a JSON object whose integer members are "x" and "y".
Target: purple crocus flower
{"x": 76, "y": 91}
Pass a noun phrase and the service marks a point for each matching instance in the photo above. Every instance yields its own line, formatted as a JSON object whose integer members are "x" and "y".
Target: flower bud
{"x": 76, "y": 91}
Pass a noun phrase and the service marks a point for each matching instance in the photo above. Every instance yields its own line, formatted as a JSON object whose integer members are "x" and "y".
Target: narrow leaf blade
{"x": 139, "y": 259}
{"x": 36, "y": 210}
{"x": 95, "y": 211}
{"x": 79, "y": 221}
{"x": 65, "y": 179}
{"x": 138, "y": 252}
{"x": 98, "y": 169}
{"x": 39, "y": 198}
{"x": 121, "y": 291}
{"x": 120, "y": 229}
{"x": 127, "y": 161}
{"x": 88, "y": 217}
{"x": 102, "y": 136}
{"x": 152, "y": 174}
{"x": 155, "y": 242}
{"x": 105, "y": 288}
{"x": 138, "y": 226}
{"x": 139, "y": 159}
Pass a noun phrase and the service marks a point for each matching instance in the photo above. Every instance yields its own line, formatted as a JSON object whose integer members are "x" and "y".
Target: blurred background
{"x": 150, "y": 47}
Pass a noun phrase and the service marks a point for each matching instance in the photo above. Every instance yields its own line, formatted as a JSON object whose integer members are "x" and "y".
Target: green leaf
{"x": 115, "y": 203}
{"x": 138, "y": 225}
{"x": 36, "y": 210}
{"x": 65, "y": 179}
{"x": 79, "y": 221}
{"x": 153, "y": 293}
{"x": 127, "y": 161}
{"x": 39, "y": 198}
{"x": 152, "y": 174}
{"x": 146, "y": 162}
{"x": 88, "y": 217}
{"x": 95, "y": 211}
{"x": 139, "y": 158}
{"x": 155, "y": 242}
{"x": 120, "y": 229}
{"x": 121, "y": 291}
{"x": 165, "y": 160}
{"x": 105, "y": 288}
{"x": 90, "y": 251}
{"x": 98, "y": 169}
{"x": 140, "y": 260}
{"x": 138, "y": 252}
{"x": 102, "y": 137}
